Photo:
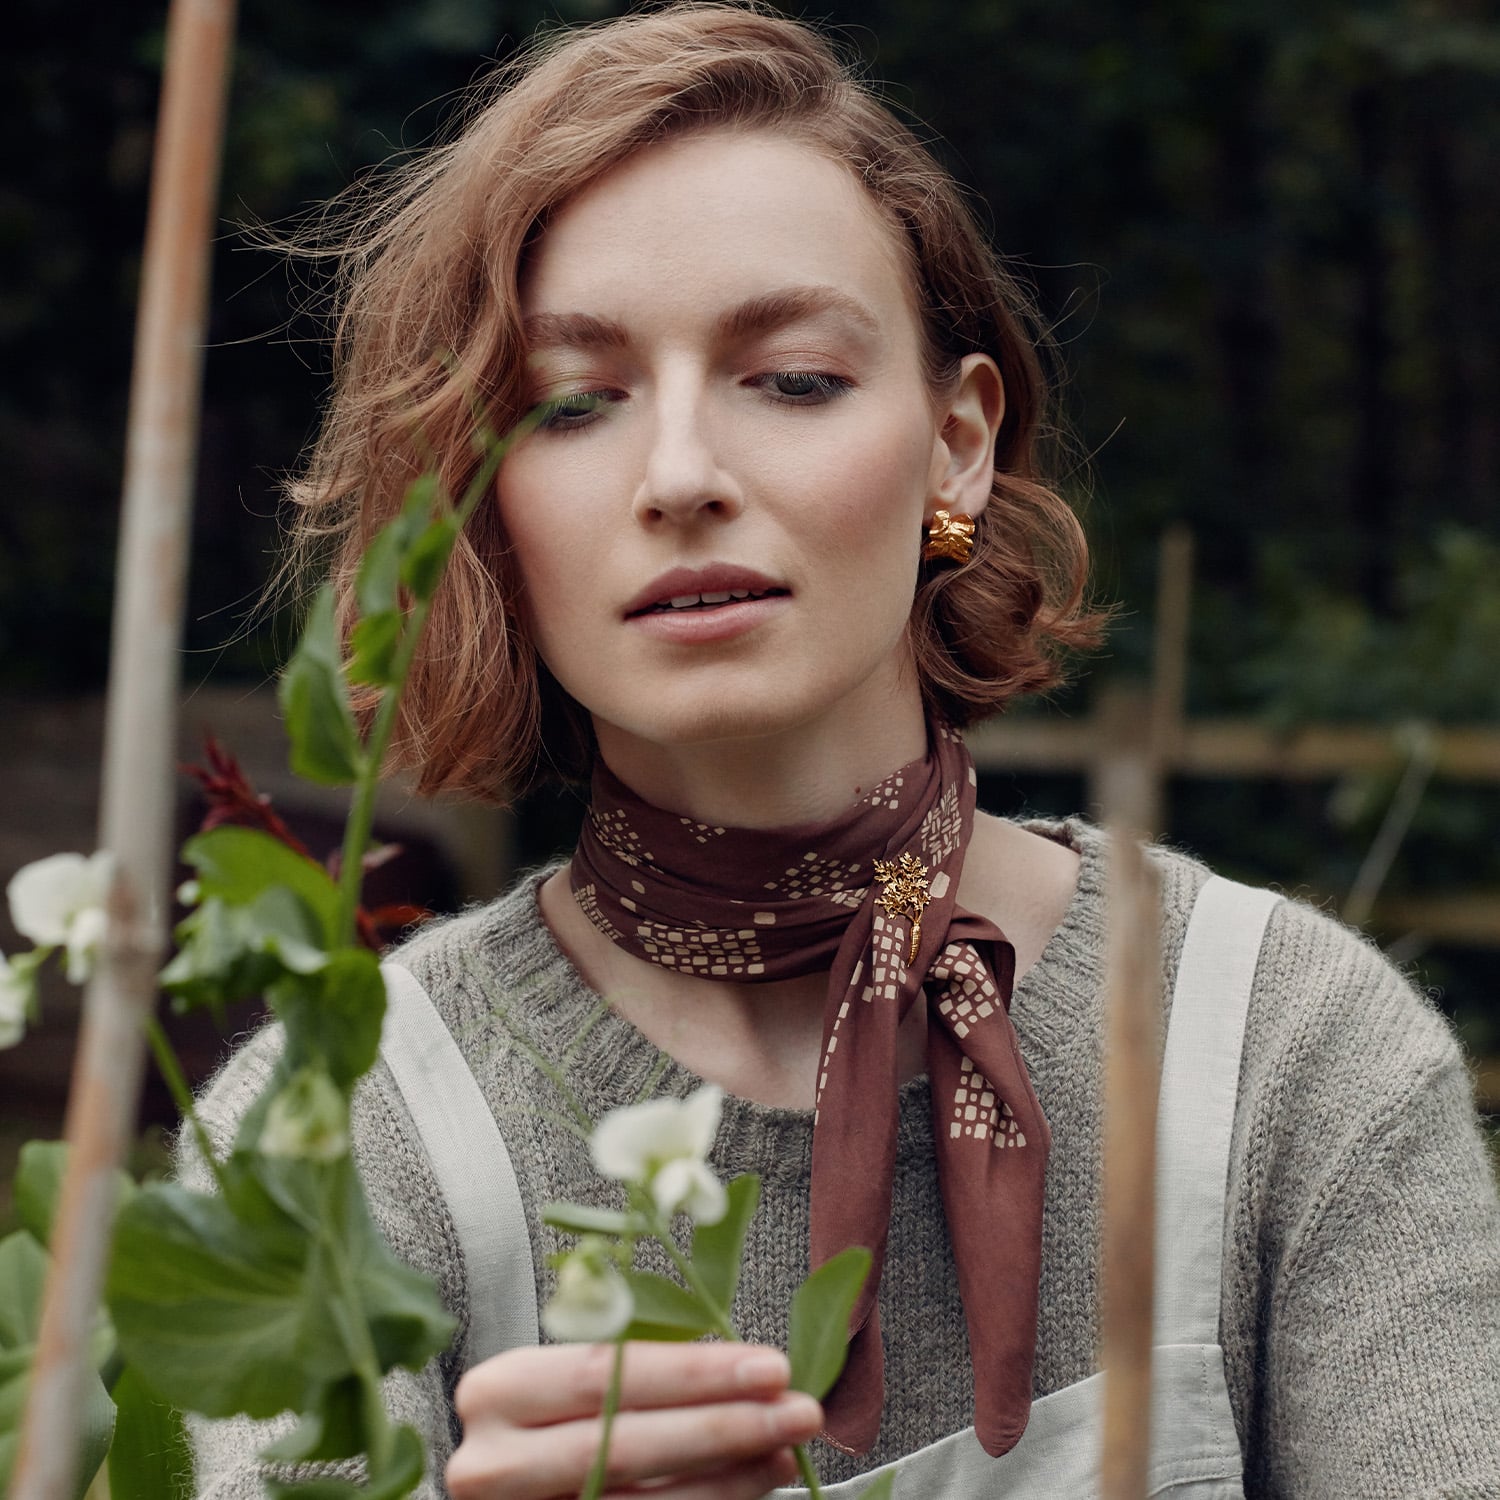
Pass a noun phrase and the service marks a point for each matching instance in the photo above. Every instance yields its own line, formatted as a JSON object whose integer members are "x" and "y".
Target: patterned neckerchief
{"x": 871, "y": 899}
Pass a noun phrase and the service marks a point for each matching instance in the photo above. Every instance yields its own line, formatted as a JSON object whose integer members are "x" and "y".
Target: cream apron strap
{"x": 472, "y": 1167}
{"x": 1199, "y": 1085}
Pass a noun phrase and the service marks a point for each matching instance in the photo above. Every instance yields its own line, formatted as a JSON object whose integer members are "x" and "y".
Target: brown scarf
{"x": 850, "y": 897}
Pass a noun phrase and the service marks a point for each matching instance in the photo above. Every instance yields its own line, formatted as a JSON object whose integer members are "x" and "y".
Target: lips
{"x": 686, "y": 590}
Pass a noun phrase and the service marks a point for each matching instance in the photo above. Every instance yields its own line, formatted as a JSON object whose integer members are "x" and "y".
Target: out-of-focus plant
{"x": 657, "y": 1150}
{"x": 276, "y": 1292}
{"x": 1328, "y": 656}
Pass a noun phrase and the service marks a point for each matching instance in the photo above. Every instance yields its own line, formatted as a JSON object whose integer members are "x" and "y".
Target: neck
{"x": 807, "y": 775}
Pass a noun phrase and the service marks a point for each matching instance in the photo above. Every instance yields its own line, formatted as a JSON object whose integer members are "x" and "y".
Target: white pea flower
{"x": 309, "y": 1118}
{"x": 59, "y": 902}
{"x": 15, "y": 1001}
{"x": 592, "y": 1302}
{"x": 691, "y": 1188}
{"x": 661, "y": 1146}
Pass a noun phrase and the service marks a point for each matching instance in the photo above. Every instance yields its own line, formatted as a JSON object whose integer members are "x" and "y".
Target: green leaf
{"x": 372, "y": 648}
{"x": 719, "y": 1248}
{"x": 39, "y": 1175}
{"x": 214, "y": 1307}
{"x": 662, "y": 1304}
{"x": 882, "y": 1489}
{"x": 579, "y": 1218}
{"x": 314, "y": 699}
{"x": 400, "y": 1477}
{"x": 149, "y": 1458}
{"x": 263, "y": 910}
{"x": 227, "y": 952}
{"x": 217, "y": 959}
{"x": 239, "y": 865}
{"x": 333, "y": 1017}
{"x": 23, "y": 1270}
{"x": 228, "y": 1305}
{"x": 818, "y": 1332}
{"x": 423, "y": 569}
{"x": 335, "y": 1429}
{"x": 38, "y": 1185}
{"x": 380, "y": 567}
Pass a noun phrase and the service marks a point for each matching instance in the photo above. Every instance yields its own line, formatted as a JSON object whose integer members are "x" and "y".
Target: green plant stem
{"x": 808, "y": 1473}
{"x": 356, "y": 1333}
{"x": 362, "y": 807}
{"x": 722, "y": 1325}
{"x": 182, "y": 1095}
{"x": 644, "y": 1204}
{"x": 594, "y": 1485}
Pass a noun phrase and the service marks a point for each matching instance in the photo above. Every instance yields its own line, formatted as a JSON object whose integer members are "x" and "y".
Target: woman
{"x": 780, "y": 534}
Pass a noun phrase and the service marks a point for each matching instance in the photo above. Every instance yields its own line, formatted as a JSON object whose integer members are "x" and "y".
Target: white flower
{"x": 592, "y": 1302}
{"x": 59, "y": 901}
{"x": 15, "y": 1001}
{"x": 661, "y": 1146}
{"x": 308, "y": 1118}
{"x": 690, "y": 1187}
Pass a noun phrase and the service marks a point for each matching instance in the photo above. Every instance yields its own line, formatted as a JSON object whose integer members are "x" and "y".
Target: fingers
{"x": 744, "y": 1482}
{"x": 541, "y": 1463}
{"x": 537, "y": 1387}
{"x": 705, "y": 1420}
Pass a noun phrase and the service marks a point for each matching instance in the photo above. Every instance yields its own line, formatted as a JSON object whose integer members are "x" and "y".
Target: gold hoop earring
{"x": 950, "y": 537}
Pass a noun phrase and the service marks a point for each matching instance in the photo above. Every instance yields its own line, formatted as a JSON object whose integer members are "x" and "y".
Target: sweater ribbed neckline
{"x": 551, "y": 1003}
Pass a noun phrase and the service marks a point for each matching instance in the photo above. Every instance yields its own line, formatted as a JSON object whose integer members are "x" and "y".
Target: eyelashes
{"x": 574, "y": 410}
{"x": 803, "y": 387}
{"x": 578, "y": 409}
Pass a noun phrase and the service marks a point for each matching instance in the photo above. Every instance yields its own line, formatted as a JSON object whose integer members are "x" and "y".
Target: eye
{"x": 803, "y": 387}
{"x": 568, "y": 412}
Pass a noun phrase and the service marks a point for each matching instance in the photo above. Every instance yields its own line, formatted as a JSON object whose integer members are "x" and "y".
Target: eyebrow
{"x": 761, "y": 314}
{"x": 791, "y": 305}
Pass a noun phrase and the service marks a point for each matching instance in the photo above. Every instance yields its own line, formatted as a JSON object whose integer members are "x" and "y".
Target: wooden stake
{"x": 137, "y": 810}
{"x": 1126, "y": 780}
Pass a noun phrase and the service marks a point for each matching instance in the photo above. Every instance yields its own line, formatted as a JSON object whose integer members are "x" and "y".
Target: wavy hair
{"x": 428, "y": 349}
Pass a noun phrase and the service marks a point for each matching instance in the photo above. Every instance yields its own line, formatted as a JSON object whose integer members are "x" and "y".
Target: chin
{"x": 718, "y": 723}
{"x": 715, "y": 717}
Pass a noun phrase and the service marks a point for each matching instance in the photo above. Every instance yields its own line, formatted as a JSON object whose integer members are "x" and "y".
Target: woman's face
{"x": 722, "y": 544}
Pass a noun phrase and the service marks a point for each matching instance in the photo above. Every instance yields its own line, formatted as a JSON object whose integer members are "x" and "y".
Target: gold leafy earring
{"x": 950, "y": 537}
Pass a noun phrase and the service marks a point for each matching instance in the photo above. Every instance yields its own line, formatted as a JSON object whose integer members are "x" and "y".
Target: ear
{"x": 964, "y": 453}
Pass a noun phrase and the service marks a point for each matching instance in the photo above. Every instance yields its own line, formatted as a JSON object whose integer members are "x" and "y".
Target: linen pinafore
{"x": 1194, "y": 1446}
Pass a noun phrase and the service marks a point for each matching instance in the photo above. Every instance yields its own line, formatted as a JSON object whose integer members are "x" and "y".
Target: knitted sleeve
{"x": 1363, "y": 1263}
{"x": 408, "y": 1210}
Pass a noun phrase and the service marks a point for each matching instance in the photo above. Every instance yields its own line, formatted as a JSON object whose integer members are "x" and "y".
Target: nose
{"x": 684, "y": 479}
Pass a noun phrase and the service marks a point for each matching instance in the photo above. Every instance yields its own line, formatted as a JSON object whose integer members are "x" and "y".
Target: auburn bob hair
{"x": 428, "y": 347}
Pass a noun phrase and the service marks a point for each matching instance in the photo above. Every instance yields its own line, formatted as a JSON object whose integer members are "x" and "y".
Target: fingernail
{"x": 762, "y": 1368}
{"x": 797, "y": 1414}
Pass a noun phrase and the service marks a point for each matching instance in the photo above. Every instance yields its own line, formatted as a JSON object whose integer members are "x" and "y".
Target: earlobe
{"x": 970, "y": 427}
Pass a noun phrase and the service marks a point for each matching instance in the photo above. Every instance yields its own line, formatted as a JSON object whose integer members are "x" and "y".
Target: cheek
{"x": 874, "y": 494}
{"x": 539, "y": 558}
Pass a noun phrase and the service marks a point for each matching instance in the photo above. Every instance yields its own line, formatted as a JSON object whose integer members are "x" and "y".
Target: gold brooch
{"x": 950, "y": 537}
{"x": 906, "y": 893}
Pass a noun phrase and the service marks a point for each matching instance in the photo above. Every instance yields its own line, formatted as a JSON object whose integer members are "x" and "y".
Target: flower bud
{"x": 592, "y": 1302}
{"x": 309, "y": 1118}
{"x": 16, "y": 991}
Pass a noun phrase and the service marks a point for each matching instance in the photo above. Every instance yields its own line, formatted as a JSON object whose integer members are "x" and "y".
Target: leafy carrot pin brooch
{"x": 906, "y": 893}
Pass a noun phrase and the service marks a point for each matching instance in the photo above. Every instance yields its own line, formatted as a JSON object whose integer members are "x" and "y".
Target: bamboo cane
{"x": 1127, "y": 778}
{"x": 137, "y": 805}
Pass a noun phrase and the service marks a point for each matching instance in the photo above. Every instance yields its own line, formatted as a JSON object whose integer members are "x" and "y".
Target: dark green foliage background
{"x": 1262, "y": 232}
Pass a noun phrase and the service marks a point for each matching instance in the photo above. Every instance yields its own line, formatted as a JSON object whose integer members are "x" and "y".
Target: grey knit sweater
{"x": 1360, "y": 1316}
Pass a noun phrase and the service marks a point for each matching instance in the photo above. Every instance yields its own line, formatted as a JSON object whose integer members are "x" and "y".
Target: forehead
{"x": 709, "y": 219}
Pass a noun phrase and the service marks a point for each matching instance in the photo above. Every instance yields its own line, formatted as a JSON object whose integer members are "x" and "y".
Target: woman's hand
{"x": 716, "y": 1421}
